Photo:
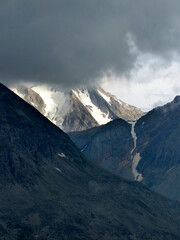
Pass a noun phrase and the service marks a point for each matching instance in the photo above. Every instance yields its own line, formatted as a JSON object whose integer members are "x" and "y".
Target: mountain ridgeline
{"x": 77, "y": 109}
{"x": 147, "y": 152}
{"x": 49, "y": 190}
{"x": 108, "y": 146}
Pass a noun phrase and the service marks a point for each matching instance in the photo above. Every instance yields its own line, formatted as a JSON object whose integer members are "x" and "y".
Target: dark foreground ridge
{"x": 49, "y": 190}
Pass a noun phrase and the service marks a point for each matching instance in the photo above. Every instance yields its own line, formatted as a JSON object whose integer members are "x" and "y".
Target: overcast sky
{"x": 132, "y": 46}
{"x": 153, "y": 84}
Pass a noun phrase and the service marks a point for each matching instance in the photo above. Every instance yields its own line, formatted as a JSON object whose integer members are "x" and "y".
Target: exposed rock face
{"x": 78, "y": 118}
{"x": 108, "y": 146}
{"x": 78, "y": 109}
{"x": 120, "y": 108}
{"x": 49, "y": 190}
{"x": 111, "y": 108}
{"x": 158, "y": 143}
{"x": 154, "y": 155}
{"x": 31, "y": 97}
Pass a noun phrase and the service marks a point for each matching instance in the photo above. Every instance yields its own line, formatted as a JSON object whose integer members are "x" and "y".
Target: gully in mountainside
{"x": 135, "y": 158}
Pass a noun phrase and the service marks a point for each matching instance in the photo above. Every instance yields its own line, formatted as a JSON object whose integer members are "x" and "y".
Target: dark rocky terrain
{"x": 49, "y": 190}
{"x": 158, "y": 141}
{"x": 158, "y": 147}
{"x": 108, "y": 146}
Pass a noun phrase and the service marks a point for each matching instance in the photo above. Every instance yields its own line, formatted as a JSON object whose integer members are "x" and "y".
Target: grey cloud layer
{"x": 75, "y": 41}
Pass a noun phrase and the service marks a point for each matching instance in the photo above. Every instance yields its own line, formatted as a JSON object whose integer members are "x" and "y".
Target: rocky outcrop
{"x": 78, "y": 118}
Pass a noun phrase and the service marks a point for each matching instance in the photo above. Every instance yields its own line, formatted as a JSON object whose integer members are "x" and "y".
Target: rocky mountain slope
{"x": 158, "y": 141}
{"x": 78, "y": 109}
{"x": 146, "y": 151}
{"x": 109, "y": 146}
{"x": 49, "y": 190}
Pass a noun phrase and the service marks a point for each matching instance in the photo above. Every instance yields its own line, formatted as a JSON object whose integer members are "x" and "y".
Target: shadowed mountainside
{"x": 108, "y": 146}
{"x": 49, "y": 190}
{"x": 158, "y": 141}
{"x": 156, "y": 156}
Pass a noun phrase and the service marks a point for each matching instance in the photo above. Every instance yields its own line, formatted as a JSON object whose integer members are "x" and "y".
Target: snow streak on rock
{"x": 106, "y": 98}
{"x": 57, "y": 106}
{"x": 59, "y": 170}
{"x": 78, "y": 109}
{"x": 17, "y": 93}
{"x": 62, "y": 155}
{"x": 98, "y": 115}
{"x": 135, "y": 158}
{"x": 83, "y": 148}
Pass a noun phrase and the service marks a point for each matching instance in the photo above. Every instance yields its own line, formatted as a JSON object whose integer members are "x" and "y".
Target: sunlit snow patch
{"x": 56, "y": 102}
{"x": 33, "y": 104}
{"x": 98, "y": 115}
{"x": 106, "y": 98}
{"x": 62, "y": 155}
{"x": 46, "y": 95}
{"x": 18, "y": 93}
{"x": 59, "y": 170}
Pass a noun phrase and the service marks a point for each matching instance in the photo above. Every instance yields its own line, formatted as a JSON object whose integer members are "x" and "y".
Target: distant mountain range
{"x": 78, "y": 109}
{"x": 147, "y": 150}
{"x": 49, "y": 190}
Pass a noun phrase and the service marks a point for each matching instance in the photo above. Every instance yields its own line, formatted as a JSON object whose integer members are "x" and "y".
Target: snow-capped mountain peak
{"x": 78, "y": 109}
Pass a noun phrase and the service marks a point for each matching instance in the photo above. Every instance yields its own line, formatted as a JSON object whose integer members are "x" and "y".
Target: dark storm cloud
{"x": 75, "y": 41}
